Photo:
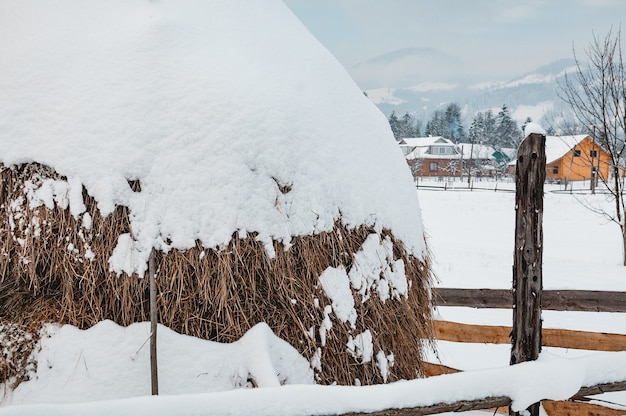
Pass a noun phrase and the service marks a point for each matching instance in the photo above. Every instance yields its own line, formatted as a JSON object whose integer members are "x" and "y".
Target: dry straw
{"x": 208, "y": 293}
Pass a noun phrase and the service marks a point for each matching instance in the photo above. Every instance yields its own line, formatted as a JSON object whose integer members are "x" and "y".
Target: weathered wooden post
{"x": 154, "y": 373}
{"x": 530, "y": 175}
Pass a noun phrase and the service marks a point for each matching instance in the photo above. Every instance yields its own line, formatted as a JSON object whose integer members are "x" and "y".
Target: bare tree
{"x": 596, "y": 92}
{"x": 452, "y": 166}
{"x": 416, "y": 167}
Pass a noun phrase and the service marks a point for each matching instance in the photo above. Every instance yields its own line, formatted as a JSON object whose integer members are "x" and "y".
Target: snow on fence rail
{"x": 517, "y": 386}
{"x": 556, "y": 408}
{"x": 560, "y": 338}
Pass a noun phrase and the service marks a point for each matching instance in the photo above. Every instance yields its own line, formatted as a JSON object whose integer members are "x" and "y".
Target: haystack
{"x": 223, "y": 135}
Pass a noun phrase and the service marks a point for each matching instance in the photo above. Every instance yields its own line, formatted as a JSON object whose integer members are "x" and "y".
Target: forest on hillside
{"x": 499, "y": 130}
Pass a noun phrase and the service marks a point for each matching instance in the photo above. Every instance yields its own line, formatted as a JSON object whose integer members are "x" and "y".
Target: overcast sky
{"x": 496, "y": 39}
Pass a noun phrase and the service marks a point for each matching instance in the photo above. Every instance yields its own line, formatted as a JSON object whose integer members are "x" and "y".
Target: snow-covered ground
{"x": 471, "y": 235}
{"x": 227, "y": 125}
{"x": 471, "y": 238}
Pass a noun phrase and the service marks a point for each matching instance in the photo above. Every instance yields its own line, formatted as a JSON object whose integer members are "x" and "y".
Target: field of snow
{"x": 226, "y": 125}
{"x": 471, "y": 239}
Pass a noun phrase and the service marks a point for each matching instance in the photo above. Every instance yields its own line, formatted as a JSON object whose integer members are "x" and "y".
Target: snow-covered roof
{"x": 423, "y": 153}
{"x": 425, "y": 141}
{"x": 558, "y": 146}
{"x": 484, "y": 151}
{"x": 509, "y": 151}
{"x": 421, "y": 148}
{"x": 477, "y": 151}
{"x": 213, "y": 106}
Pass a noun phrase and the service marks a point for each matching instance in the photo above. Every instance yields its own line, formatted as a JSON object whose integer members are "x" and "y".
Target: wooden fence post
{"x": 154, "y": 374}
{"x": 530, "y": 174}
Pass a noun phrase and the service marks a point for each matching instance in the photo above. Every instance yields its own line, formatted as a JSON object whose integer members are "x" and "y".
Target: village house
{"x": 432, "y": 156}
{"x": 484, "y": 159}
{"x": 575, "y": 158}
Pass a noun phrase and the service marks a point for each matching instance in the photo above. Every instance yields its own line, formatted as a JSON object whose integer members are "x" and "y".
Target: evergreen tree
{"x": 454, "y": 126}
{"x": 508, "y": 133}
{"x": 417, "y": 129}
{"x": 476, "y": 131}
{"x": 394, "y": 123}
{"x": 406, "y": 126}
{"x": 436, "y": 126}
{"x": 483, "y": 128}
{"x": 447, "y": 123}
{"x": 490, "y": 135}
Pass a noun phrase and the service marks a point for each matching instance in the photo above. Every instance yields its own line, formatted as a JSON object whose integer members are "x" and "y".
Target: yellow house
{"x": 574, "y": 158}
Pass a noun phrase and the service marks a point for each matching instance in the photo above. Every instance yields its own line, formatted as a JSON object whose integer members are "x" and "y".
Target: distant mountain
{"x": 533, "y": 94}
{"x": 400, "y": 54}
{"x": 406, "y": 67}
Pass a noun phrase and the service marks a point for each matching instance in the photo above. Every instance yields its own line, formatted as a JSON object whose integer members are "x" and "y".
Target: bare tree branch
{"x": 596, "y": 93}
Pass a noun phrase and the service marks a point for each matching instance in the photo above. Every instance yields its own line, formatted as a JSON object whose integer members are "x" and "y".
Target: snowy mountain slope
{"x": 529, "y": 95}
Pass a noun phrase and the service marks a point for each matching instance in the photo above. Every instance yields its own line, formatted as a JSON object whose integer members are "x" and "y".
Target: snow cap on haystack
{"x": 224, "y": 135}
{"x": 215, "y": 107}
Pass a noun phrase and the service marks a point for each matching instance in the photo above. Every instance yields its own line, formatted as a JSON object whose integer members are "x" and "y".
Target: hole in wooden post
{"x": 534, "y": 155}
{"x": 521, "y": 159}
{"x": 534, "y": 278}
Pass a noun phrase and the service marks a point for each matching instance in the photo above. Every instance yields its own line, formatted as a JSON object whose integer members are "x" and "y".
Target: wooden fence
{"x": 526, "y": 335}
{"x": 558, "y": 300}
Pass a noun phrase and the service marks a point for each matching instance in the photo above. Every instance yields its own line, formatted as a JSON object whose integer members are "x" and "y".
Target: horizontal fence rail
{"x": 560, "y": 338}
{"x": 456, "y": 186}
{"x": 555, "y": 300}
{"x": 461, "y": 188}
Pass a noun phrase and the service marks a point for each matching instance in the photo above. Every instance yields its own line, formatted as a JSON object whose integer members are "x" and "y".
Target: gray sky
{"x": 493, "y": 39}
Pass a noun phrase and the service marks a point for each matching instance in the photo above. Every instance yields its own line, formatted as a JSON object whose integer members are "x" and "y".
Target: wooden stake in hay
{"x": 54, "y": 268}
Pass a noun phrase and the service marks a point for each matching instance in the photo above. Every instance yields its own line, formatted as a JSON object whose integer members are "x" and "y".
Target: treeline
{"x": 498, "y": 130}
